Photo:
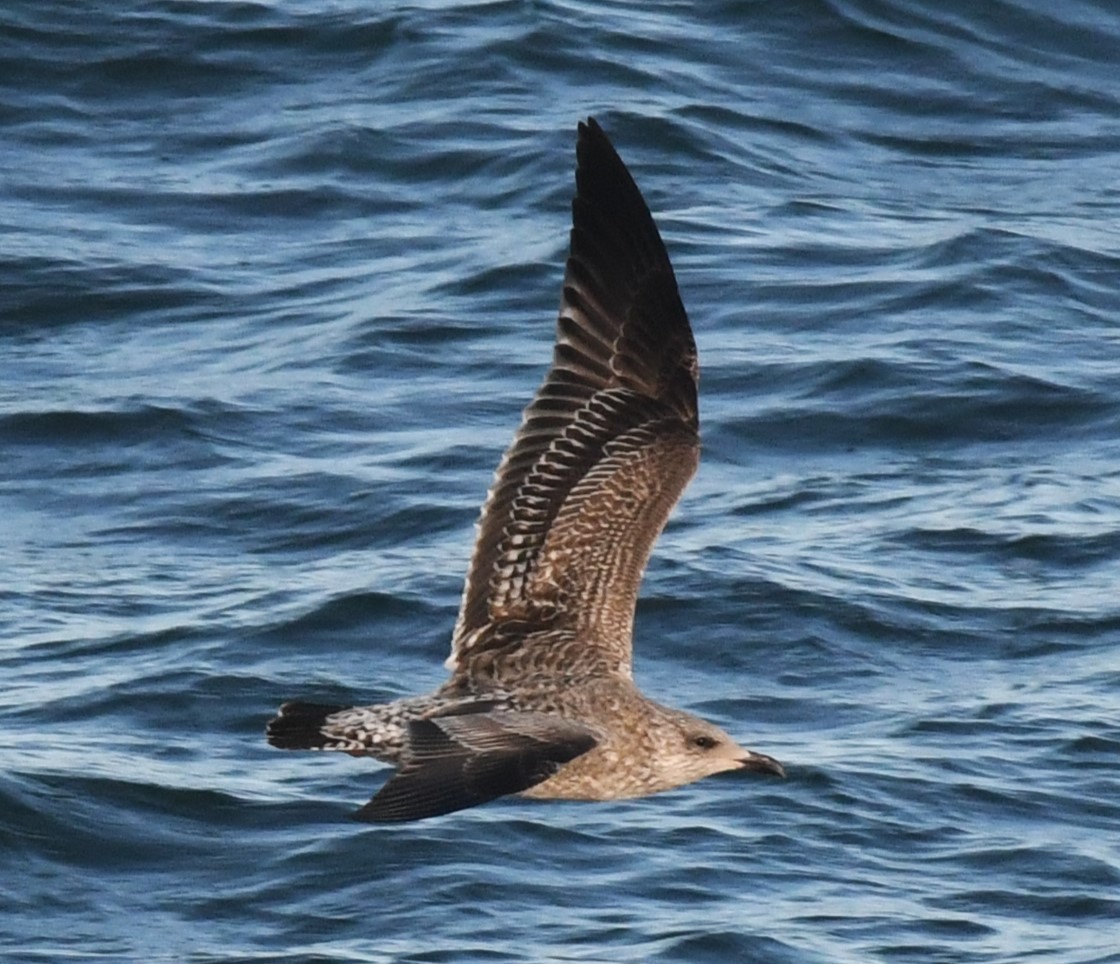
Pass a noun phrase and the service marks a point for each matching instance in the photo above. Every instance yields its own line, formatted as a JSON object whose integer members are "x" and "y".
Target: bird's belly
{"x": 600, "y": 774}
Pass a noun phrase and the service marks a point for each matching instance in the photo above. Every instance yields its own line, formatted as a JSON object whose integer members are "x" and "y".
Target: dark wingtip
{"x": 590, "y": 126}
{"x": 374, "y": 813}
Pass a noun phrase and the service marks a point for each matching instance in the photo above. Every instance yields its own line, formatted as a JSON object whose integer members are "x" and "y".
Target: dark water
{"x": 275, "y": 282}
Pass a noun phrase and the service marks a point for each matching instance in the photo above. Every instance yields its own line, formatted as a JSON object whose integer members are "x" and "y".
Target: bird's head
{"x": 688, "y": 748}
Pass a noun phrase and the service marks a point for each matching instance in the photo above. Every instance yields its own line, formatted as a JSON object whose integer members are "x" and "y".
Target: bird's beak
{"x": 761, "y": 763}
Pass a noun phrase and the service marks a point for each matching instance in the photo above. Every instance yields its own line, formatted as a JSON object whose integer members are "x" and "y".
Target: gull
{"x": 541, "y": 700}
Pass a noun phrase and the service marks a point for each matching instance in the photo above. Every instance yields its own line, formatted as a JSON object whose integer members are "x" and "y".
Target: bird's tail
{"x": 300, "y": 726}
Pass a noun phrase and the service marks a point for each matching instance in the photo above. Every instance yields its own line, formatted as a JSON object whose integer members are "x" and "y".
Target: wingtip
{"x": 590, "y": 132}
{"x": 373, "y": 812}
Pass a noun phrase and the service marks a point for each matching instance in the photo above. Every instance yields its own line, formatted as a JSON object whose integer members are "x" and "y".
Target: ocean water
{"x": 276, "y": 280}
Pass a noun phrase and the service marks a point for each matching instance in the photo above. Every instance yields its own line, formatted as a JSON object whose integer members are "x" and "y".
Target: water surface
{"x": 277, "y": 282}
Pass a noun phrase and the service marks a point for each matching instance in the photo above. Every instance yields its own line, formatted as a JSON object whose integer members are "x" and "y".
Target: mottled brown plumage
{"x": 541, "y": 699}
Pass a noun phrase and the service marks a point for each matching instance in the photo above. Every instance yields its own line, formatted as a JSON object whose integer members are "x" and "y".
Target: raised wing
{"x": 604, "y": 450}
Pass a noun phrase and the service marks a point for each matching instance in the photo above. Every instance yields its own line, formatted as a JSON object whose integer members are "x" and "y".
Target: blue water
{"x": 276, "y": 280}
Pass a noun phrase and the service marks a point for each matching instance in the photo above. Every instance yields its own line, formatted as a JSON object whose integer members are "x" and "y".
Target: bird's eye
{"x": 703, "y": 742}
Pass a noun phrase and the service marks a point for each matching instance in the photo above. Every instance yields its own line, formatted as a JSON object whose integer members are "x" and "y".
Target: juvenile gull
{"x": 541, "y": 699}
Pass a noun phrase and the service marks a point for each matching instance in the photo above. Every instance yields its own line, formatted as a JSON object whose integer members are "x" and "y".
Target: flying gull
{"x": 541, "y": 700}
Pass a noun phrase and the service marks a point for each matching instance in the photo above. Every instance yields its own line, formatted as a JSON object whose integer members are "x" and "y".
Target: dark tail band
{"x": 299, "y": 726}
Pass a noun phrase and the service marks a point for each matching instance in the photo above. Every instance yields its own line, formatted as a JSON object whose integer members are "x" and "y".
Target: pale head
{"x": 687, "y": 748}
